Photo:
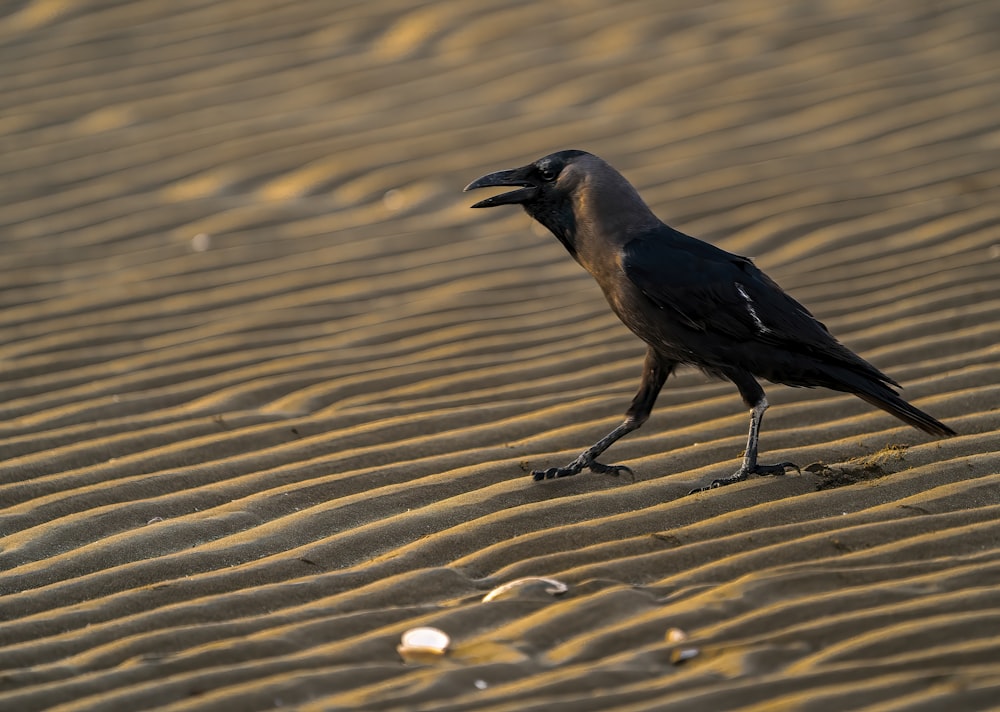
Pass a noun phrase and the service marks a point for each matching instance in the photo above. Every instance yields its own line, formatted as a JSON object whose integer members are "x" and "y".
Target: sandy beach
{"x": 270, "y": 392}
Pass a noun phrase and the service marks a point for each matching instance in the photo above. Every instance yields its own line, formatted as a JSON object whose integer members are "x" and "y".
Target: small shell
{"x": 423, "y": 644}
{"x": 552, "y": 587}
{"x": 201, "y": 242}
{"x": 676, "y": 635}
{"x": 393, "y": 200}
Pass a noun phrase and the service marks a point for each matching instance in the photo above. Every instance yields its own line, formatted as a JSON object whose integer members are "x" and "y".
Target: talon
{"x": 554, "y": 472}
{"x": 714, "y": 484}
{"x": 613, "y": 470}
{"x": 779, "y": 469}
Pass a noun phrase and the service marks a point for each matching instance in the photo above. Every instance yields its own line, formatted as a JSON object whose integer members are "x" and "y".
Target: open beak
{"x": 513, "y": 177}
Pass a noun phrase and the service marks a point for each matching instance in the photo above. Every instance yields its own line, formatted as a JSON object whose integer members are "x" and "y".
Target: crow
{"x": 692, "y": 304}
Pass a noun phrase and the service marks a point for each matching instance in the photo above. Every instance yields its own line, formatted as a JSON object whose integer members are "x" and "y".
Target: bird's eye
{"x": 546, "y": 173}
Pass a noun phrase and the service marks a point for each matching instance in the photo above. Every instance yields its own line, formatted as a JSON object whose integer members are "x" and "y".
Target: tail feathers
{"x": 882, "y": 397}
{"x": 872, "y": 386}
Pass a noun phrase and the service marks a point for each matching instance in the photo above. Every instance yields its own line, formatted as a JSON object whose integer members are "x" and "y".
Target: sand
{"x": 270, "y": 391}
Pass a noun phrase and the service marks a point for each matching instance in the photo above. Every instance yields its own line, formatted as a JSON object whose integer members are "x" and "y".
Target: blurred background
{"x": 199, "y": 177}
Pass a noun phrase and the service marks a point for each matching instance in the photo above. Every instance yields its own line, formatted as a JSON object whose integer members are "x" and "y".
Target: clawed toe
{"x": 779, "y": 469}
{"x": 613, "y": 470}
{"x": 575, "y": 467}
{"x": 742, "y": 474}
{"x": 721, "y": 482}
{"x": 554, "y": 472}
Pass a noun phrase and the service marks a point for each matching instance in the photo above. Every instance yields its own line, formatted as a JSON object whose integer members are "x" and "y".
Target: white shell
{"x": 676, "y": 635}
{"x": 417, "y": 642}
{"x": 552, "y": 586}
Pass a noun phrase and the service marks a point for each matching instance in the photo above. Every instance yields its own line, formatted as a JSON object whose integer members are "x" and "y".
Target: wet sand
{"x": 270, "y": 391}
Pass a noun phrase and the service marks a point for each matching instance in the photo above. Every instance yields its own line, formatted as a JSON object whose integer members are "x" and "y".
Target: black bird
{"x": 691, "y": 302}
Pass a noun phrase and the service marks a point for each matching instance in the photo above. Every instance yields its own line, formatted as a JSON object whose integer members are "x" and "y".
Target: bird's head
{"x": 546, "y": 181}
{"x": 580, "y": 198}
{"x": 549, "y": 190}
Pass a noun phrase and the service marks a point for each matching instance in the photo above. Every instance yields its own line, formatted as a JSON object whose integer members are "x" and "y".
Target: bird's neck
{"x": 595, "y": 217}
{"x": 612, "y": 210}
{"x": 559, "y": 221}
{"x": 594, "y": 236}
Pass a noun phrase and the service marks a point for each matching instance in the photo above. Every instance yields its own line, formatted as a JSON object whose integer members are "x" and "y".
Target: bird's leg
{"x": 753, "y": 395}
{"x": 654, "y": 374}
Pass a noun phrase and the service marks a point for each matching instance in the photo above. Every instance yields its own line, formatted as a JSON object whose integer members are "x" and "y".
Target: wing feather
{"x": 727, "y": 297}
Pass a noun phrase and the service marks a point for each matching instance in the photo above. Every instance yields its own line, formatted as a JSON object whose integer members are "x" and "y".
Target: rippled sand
{"x": 270, "y": 391}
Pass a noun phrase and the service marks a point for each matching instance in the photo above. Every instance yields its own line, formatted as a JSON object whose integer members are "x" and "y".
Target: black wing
{"x": 727, "y": 296}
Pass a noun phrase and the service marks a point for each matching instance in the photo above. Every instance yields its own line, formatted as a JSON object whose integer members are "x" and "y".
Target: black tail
{"x": 857, "y": 376}
{"x": 883, "y": 397}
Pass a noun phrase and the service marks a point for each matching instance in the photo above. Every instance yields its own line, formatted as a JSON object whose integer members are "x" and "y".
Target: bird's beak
{"x": 512, "y": 177}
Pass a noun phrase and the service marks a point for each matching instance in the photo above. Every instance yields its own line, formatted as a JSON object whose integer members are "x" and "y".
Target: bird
{"x": 691, "y": 302}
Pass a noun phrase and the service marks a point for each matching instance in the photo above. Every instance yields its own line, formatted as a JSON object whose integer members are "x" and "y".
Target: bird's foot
{"x": 577, "y": 465}
{"x": 744, "y": 472}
